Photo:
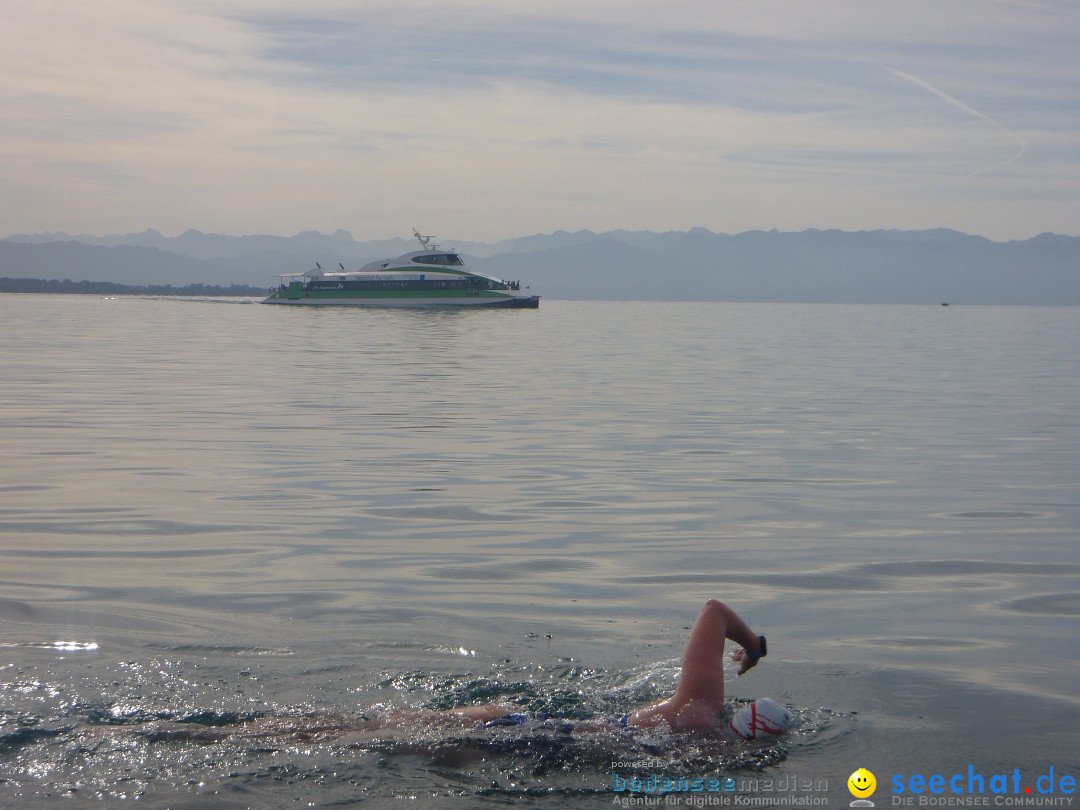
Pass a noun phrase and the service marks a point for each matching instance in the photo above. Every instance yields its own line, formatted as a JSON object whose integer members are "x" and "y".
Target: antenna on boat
{"x": 425, "y": 240}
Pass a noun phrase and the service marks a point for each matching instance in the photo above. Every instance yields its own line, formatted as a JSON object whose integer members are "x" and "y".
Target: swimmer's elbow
{"x": 715, "y": 606}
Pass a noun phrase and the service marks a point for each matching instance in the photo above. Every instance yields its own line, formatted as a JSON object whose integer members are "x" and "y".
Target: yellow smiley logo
{"x": 861, "y": 783}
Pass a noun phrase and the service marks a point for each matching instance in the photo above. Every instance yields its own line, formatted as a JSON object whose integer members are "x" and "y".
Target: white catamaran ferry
{"x": 429, "y": 277}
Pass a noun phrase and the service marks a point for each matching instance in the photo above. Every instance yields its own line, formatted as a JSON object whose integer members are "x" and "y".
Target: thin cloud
{"x": 610, "y": 114}
{"x": 955, "y": 102}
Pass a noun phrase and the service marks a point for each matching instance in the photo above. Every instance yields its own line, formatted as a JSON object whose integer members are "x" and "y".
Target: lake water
{"x": 214, "y": 512}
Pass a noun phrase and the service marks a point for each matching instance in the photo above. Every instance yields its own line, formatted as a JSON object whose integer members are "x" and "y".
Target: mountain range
{"x": 883, "y": 266}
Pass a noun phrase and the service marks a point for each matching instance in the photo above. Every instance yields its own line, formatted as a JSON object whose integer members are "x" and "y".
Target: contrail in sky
{"x": 970, "y": 110}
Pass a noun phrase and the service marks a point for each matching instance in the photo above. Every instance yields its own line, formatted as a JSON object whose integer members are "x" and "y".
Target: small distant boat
{"x": 429, "y": 277}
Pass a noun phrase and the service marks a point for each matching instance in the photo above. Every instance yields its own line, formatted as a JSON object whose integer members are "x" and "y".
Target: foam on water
{"x": 167, "y": 727}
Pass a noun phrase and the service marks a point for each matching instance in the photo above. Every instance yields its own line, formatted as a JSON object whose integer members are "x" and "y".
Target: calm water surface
{"x": 213, "y": 512}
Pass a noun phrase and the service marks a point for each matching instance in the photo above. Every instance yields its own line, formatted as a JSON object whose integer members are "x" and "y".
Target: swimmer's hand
{"x": 744, "y": 660}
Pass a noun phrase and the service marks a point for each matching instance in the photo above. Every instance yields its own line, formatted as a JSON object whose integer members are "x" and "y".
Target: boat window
{"x": 451, "y": 259}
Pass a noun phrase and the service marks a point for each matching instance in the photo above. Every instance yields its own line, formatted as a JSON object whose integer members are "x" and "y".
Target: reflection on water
{"x": 237, "y": 512}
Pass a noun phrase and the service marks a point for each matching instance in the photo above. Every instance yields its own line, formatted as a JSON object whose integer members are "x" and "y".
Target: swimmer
{"x": 698, "y": 701}
{"x": 696, "y": 706}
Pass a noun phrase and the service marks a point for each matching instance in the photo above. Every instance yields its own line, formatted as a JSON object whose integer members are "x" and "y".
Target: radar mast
{"x": 425, "y": 240}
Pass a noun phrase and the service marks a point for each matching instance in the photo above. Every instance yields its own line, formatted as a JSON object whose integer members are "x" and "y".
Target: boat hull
{"x": 409, "y": 302}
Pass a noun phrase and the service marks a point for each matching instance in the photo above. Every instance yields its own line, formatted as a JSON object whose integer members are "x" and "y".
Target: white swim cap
{"x": 761, "y": 719}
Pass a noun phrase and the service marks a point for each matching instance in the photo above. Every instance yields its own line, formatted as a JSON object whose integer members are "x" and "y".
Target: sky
{"x": 490, "y": 119}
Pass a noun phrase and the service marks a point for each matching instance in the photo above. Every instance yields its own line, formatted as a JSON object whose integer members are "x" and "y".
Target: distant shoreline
{"x": 67, "y": 286}
{"x": 872, "y": 267}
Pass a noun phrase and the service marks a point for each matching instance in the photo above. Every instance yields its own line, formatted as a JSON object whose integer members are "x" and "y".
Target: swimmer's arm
{"x": 750, "y": 651}
{"x": 483, "y": 714}
{"x": 661, "y": 713}
{"x": 748, "y": 655}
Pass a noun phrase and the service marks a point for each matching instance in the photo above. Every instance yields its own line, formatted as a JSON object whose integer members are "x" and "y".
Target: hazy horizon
{"x": 407, "y": 235}
{"x": 487, "y": 118}
{"x": 808, "y": 266}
